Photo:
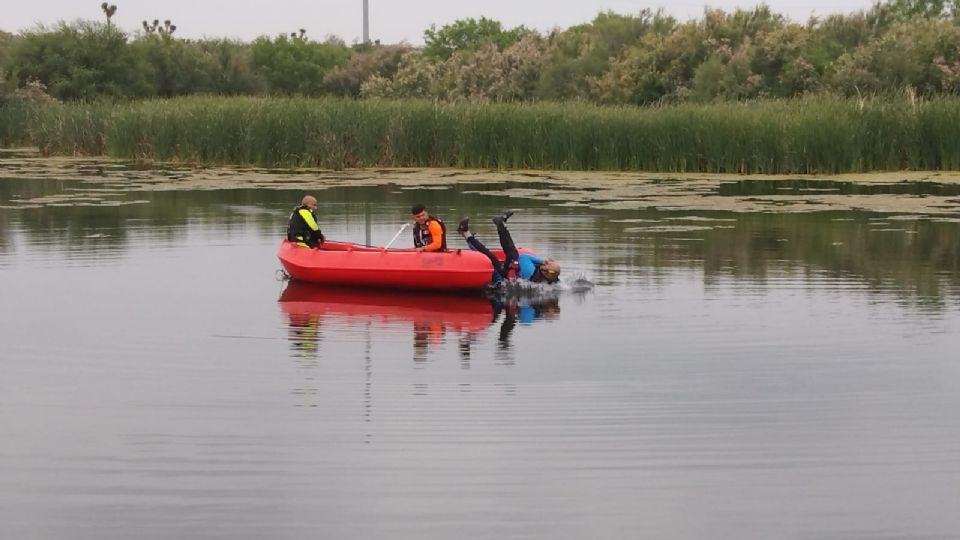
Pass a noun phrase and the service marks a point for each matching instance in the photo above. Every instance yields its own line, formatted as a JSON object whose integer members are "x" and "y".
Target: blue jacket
{"x": 528, "y": 265}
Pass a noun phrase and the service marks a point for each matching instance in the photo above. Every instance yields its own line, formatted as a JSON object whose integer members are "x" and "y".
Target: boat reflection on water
{"x": 433, "y": 317}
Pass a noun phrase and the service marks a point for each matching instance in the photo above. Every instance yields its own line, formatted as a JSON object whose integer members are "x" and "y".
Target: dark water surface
{"x": 742, "y": 376}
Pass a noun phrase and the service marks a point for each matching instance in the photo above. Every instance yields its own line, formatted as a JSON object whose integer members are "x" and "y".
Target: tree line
{"x": 640, "y": 59}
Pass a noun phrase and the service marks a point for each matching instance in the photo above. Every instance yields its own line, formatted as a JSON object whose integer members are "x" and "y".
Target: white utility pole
{"x": 366, "y": 21}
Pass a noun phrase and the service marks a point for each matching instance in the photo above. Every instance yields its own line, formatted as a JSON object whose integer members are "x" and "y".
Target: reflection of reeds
{"x": 813, "y": 135}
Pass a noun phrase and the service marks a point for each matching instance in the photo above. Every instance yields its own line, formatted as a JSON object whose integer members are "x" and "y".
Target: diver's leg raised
{"x": 477, "y": 245}
{"x": 506, "y": 242}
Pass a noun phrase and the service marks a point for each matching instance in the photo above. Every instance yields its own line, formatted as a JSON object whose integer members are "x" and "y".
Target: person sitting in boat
{"x": 429, "y": 232}
{"x": 515, "y": 265}
{"x": 302, "y": 228}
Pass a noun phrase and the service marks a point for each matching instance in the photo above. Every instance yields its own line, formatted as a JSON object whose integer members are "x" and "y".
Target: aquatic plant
{"x": 821, "y": 134}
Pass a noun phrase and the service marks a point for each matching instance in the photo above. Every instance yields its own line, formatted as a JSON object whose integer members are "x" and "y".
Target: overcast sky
{"x": 390, "y": 21}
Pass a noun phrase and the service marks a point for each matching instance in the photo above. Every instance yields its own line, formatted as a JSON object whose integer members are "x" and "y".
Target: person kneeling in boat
{"x": 429, "y": 232}
{"x": 302, "y": 228}
{"x": 515, "y": 265}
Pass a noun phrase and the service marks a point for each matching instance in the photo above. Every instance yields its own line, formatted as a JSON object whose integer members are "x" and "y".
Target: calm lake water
{"x": 741, "y": 376}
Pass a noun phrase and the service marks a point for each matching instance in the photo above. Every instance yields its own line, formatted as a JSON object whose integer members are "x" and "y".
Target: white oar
{"x": 405, "y": 225}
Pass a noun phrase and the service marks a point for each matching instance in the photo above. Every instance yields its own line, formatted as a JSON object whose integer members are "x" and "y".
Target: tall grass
{"x": 56, "y": 128}
{"x": 812, "y": 135}
{"x": 14, "y": 119}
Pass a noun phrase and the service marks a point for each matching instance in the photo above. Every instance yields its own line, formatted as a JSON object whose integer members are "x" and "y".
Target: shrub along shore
{"x": 815, "y": 135}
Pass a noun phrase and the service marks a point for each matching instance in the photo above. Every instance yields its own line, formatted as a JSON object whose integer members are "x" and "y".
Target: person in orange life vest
{"x": 302, "y": 227}
{"x": 429, "y": 232}
{"x": 515, "y": 265}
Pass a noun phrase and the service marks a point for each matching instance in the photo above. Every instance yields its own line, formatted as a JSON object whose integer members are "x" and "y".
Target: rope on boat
{"x": 402, "y": 228}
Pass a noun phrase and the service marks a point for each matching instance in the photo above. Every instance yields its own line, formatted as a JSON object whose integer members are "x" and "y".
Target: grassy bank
{"x": 815, "y": 135}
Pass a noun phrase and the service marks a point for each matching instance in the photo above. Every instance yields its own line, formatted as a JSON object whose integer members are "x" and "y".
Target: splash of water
{"x": 529, "y": 290}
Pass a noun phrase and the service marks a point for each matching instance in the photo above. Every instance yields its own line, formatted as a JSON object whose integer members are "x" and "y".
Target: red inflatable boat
{"x": 341, "y": 263}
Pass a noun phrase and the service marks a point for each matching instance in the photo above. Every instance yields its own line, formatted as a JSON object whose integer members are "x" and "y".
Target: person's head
{"x": 550, "y": 270}
{"x": 309, "y": 201}
{"x": 420, "y": 214}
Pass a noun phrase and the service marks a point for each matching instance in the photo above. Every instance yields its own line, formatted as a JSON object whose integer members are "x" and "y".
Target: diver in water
{"x": 516, "y": 265}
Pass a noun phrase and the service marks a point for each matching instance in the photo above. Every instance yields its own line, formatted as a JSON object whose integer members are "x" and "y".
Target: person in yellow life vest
{"x": 429, "y": 232}
{"x": 303, "y": 228}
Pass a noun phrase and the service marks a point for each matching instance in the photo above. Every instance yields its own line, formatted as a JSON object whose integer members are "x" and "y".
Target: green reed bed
{"x": 14, "y": 119}
{"x": 937, "y": 135}
{"x": 55, "y": 128}
{"x": 814, "y": 135}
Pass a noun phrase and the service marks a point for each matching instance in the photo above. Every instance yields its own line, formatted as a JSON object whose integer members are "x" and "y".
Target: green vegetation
{"x": 83, "y": 60}
{"x": 809, "y": 135}
{"x": 636, "y": 59}
{"x": 747, "y": 91}
{"x": 296, "y": 65}
{"x": 468, "y": 35}
{"x": 6, "y": 42}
